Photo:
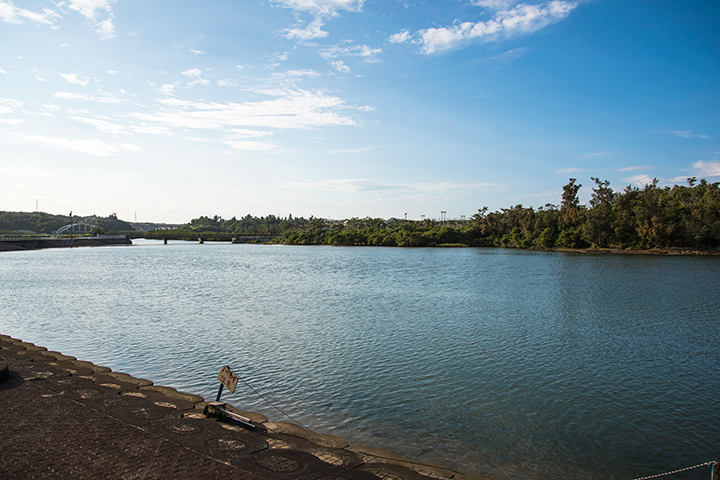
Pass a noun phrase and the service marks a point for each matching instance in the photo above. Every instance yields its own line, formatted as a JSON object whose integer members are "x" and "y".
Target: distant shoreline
{"x": 12, "y": 246}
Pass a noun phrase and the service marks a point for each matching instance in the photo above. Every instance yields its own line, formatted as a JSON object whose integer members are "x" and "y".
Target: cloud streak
{"x": 320, "y": 10}
{"x": 356, "y": 185}
{"x": 11, "y": 14}
{"x": 291, "y": 109}
{"x": 93, "y": 147}
{"x": 519, "y": 20}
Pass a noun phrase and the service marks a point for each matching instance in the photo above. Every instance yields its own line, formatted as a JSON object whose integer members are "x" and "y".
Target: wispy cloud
{"x": 75, "y": 79}
{"x": 639, "y": 180}
{"x": 503, "y": 59}
{"x": 289, "y": 109}
{"x": 98, "y": 14}
{"x": 494, "y": 4}
{"x": 687, "y": 134}
{"x": 633, "y": 168}
{"x": 347, "y": 151}
{"x": 102, "y": 125}
{"x": 707, "y": 169}
{"x": 7, "y": 104}
{"x": 320, "y": 10}
{"x": 333, "y": 53}
{"x": 93, "y": 147}
{"x": 353, "y": 185}
{"x": 587, "y": 156}
{"x": 11, "y": 14}
{"x": 521, "y": 19}
{"x": 100, "y": 97}
{"x": 570, "y": 170}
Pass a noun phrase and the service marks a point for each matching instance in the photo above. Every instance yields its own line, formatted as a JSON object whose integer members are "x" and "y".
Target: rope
{"x": 271, "y": 404}
{"x": 677, "y": 471}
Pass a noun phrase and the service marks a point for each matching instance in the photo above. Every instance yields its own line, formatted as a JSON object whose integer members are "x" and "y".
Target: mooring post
{"x": 219, "y": 393}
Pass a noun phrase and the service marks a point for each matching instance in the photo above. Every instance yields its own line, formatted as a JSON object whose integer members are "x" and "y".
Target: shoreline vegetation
{"x": 678, "y": 220}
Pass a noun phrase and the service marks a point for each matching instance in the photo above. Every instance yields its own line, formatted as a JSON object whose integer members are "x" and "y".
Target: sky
{"x": 164, "y": 111}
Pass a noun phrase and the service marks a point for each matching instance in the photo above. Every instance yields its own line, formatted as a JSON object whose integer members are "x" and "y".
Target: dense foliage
{"x": 636, "y": 218}
{"x": 217, "y": 228}
{"x": 686, "y": 217}
{"x": 13, "y": 223}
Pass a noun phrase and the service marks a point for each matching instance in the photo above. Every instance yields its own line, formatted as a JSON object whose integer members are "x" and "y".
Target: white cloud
{"x": 401, "y": 37}
{"x": 102, "y": 125}
{"x": 340, "y": 66}
{"x": 639, "y": 180}
{"x": 7, "y": 104}
{"x": 687, "y": 134}
{"x": 167, "y": 89}
{"x": 199, "y": 81}
{"x": 352, "y": 185}
{"x": 335, "y": 51}
{"x": 571, "y": 170}
{"x": 100, "y": 97}
{"x": 290, "y": 109}
{"x": 277, "y": 58}
{"x": 348, "y": 151}
{"x": 195, "y": 72}
{"x": 3, "y": 72}
{"x": 236, "y": 144}
{"x": 493, "y": 4}
{"x": 312, "y": 31}
{"x": 227, "y": 82}
{"x": 707, "y": 169}
{"x": 91, "y": 8}
{"x": 293, "y": 75}
{"x": 320, "y": 10}
{"x": 322, "y": 7}
{"x": 75, "y": 79}
{"x": 197, "y": 52}
{"x": 11, "y": 14}
{"x": 594, "y": 155}
{"x": 98, "y": 14}
{"x": 93, "y": 147}
{"x": 522, "y": 19}
{"x": 11, "y": 121}
{"x": 636, "y": 167}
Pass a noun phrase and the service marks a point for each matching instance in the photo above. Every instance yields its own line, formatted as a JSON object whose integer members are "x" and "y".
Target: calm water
{"x": 527, "y": 365}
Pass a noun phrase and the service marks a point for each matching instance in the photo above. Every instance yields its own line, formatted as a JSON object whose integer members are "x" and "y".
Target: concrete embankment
{"x": 65, "y": 418}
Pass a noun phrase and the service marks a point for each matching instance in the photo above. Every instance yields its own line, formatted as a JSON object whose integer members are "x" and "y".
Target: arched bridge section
{"x": 79, "y": 227}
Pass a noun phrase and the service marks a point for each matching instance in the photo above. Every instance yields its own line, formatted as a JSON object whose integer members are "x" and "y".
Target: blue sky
{"x": 168, "y": 110}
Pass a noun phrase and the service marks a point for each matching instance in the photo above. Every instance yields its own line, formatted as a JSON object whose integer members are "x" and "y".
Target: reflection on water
{"x": 523, "y": 364}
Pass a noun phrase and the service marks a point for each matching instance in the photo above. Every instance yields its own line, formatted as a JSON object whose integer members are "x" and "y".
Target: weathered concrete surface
{"x": 63, "y": 418}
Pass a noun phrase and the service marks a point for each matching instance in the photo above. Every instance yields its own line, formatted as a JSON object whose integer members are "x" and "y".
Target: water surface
{"x": 527, "y": 365}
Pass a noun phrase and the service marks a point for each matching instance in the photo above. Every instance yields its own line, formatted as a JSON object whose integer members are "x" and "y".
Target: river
{"x": 525, "y": 365}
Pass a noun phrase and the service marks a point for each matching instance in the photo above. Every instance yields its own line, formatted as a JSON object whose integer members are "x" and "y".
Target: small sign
{"x": 228, "y": 378}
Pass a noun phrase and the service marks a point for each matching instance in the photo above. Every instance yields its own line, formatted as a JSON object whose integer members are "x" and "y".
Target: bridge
{"x": 79, "y": 227}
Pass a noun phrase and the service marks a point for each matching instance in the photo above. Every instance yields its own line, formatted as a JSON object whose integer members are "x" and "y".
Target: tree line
{"x": 24, "y": 223}
{"x": 641, "y": 218}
